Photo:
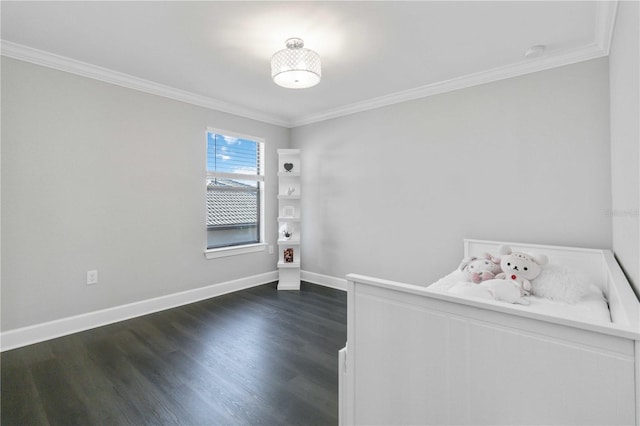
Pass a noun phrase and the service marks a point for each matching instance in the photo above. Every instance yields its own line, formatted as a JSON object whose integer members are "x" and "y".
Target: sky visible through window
{"x": 231, "y": 155}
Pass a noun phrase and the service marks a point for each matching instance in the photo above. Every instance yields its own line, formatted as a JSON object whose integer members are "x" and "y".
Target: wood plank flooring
{"x": 258, "y": 356}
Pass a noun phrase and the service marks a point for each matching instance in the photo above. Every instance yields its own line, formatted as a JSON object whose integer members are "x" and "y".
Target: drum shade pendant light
{"x": 296, "y": 67}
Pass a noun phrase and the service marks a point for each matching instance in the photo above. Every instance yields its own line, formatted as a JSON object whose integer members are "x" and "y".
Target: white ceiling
{"x": 217, "y": 54}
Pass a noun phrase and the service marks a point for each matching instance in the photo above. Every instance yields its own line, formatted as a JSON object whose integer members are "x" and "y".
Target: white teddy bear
{"x": 514, "y": 282}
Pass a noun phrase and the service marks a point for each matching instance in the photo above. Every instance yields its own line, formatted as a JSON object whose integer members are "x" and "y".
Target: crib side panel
{"x": 413, "y": 359}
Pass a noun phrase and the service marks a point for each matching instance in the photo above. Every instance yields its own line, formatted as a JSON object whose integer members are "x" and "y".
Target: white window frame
{"x": 215, "y": 253}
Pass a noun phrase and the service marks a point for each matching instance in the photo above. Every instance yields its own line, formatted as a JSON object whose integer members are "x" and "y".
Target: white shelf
{"x": 282, "y": 242}
{"x": 291, "y": 265}
{"x": 288, "y": 195}
{"x": 288, "y": 219}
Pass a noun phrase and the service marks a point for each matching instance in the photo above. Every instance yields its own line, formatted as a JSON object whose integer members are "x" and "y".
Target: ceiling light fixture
{"x": 296, "y": 67}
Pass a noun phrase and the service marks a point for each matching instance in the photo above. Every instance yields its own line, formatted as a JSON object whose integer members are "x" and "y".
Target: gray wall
{"x": 392, "y": 192}
{"x": 625, "y": 139}
{"x": 96, "y": 176}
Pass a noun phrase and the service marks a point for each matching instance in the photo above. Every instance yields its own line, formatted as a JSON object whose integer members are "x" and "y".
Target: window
{"x": 235, "y": 176}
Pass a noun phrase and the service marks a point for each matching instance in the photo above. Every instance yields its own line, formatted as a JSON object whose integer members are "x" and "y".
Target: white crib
{"x": 418, "y": 357}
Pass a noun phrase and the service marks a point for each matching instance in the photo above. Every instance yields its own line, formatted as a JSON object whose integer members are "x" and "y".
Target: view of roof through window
{"x": 233, "y": 190}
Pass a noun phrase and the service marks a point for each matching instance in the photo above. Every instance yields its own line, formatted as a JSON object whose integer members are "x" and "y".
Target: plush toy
{"x": 520, "y": 267}
{"x": 505, "y": 291}
{"x": 480, "y": 269}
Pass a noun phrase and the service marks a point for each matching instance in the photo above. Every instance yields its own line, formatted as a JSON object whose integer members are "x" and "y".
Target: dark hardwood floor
{"x": 258, "y": 356}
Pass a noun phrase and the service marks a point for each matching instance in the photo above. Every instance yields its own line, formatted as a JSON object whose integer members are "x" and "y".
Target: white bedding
{"x": 592, "y": 307}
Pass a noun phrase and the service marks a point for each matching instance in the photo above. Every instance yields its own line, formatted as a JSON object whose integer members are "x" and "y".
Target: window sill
{"x": 234, "y": 251}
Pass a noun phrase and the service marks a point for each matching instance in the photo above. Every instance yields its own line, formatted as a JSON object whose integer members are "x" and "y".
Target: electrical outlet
{"x": 270, "y": 249}
{"x": 92, "y": 277}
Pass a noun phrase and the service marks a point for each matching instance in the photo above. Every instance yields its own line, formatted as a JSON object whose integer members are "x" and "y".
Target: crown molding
{"x": 586, "y": 53}
{"x": 606, "y": 12}
{"x": 63, "y": 63}
{"x": 605, "y": 16}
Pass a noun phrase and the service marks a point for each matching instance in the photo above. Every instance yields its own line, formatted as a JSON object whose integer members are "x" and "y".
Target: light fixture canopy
{"x": 296, "y": 67}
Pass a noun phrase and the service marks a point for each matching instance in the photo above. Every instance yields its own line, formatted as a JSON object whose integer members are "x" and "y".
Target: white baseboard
{"x": 50, "y": 330}
{"x": 325, "y": 280}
